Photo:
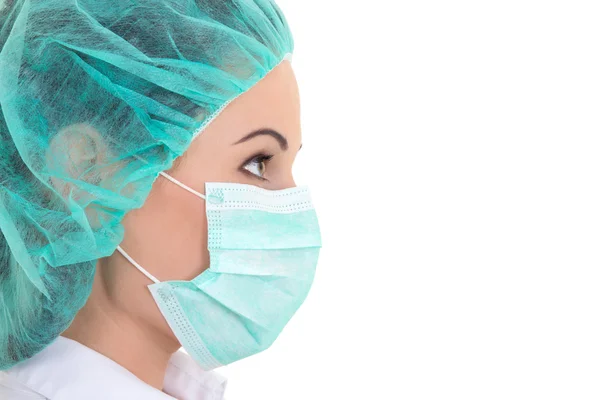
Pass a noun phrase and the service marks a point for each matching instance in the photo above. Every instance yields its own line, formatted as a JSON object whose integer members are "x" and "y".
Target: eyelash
{"x": 258, "y": 158}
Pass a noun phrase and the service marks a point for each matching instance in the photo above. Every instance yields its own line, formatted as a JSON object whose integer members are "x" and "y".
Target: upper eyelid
{"x": 260, "y": 156}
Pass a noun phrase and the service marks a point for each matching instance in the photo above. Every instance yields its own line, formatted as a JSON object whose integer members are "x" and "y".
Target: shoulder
{"x": 10, "y": 389}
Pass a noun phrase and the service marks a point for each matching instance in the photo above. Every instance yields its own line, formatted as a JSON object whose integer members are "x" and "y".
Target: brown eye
{"x": 262, "y": 168}
{"x": 258, "y": 165}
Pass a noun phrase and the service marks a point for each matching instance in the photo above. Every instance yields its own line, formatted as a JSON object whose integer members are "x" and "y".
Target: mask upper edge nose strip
{"x": 232, "y": 195}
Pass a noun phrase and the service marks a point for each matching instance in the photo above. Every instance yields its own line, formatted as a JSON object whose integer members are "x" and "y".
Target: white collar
{"x": 68, "y": 370}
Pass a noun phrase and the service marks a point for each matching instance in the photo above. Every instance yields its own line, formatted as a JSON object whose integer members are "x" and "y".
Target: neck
{"x": 106, "y": 328}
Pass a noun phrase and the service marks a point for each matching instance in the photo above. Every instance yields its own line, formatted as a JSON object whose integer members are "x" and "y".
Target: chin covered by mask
{"x": 264, "y": 246}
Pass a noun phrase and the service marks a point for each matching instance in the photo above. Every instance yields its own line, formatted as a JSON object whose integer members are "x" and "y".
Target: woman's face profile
{"x": 254, "y": 140}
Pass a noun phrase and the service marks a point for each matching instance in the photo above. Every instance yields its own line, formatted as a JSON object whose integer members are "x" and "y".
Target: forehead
{"x": 273, "y": 102}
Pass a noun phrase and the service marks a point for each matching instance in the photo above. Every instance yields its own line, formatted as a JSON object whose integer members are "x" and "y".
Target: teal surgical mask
{"x": 263, "y": 246}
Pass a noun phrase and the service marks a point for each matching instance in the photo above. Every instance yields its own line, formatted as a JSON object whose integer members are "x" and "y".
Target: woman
{"x": 146, "y": 195}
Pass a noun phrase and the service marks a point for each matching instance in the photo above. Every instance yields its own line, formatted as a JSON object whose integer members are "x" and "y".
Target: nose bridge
{"x": 289, "y": 181}
{"x": 292, "y": 182}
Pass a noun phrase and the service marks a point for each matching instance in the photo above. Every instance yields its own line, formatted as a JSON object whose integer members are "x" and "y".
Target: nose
{"x": 288, "y": 182}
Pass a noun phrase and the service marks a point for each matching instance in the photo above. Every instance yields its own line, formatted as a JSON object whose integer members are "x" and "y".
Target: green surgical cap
{"x": 96, "y": 98}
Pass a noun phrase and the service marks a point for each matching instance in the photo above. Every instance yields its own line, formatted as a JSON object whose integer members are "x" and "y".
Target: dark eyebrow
{"x": 283, "y": 143}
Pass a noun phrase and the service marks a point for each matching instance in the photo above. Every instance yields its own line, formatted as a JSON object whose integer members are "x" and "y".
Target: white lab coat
{"x": 68, "y": 370}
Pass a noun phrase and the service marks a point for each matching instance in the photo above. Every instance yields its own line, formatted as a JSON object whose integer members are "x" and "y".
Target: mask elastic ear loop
{"x": 138, "y": 266}
{"x": 189, "y": 189}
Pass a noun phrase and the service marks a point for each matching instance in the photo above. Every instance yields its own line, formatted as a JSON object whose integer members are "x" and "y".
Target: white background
{"x": 452, "y": 149}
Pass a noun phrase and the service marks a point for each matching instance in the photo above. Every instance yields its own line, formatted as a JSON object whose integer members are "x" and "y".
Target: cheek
{"x": 181, "y": 245}
{"x": 168, "y": 236}
{"x": 184, "y": 240}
